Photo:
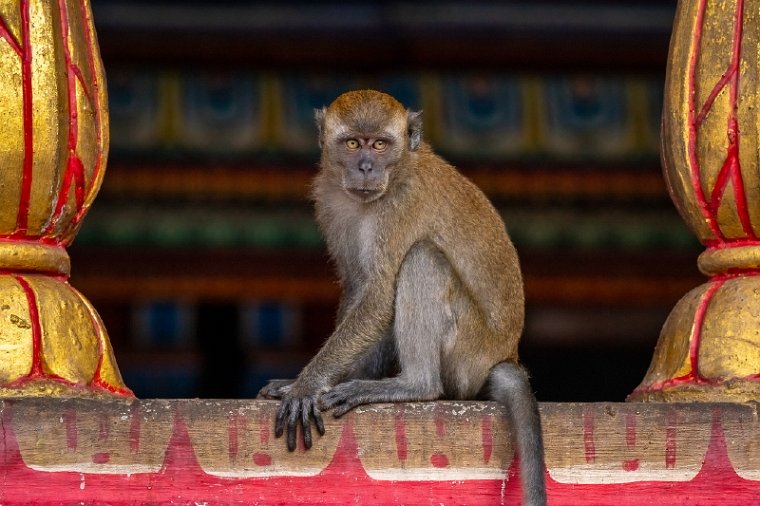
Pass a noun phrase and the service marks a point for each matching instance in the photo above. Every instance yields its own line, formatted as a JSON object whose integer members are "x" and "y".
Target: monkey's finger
{"x": 293, "y": 411}
{"x": 279, "y": 421}
{"x": 317, "y": 415}
{"x": 305, "y": 409}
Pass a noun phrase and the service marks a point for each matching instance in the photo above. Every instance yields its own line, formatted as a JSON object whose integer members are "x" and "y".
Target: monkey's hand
{"x": 298, "y": 406}
{"x": 275, "y": 389}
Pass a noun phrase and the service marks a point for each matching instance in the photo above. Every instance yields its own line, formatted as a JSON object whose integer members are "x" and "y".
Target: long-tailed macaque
{"x": 432, "y": 304}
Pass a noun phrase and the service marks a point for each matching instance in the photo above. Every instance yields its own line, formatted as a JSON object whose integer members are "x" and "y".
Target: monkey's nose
{"x": 365, "y": 166}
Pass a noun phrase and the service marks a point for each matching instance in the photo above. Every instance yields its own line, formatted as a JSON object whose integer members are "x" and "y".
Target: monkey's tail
{"x": 509, "y": 385}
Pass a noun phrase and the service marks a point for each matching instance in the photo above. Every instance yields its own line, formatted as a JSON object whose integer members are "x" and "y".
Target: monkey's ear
{"x": 319, "y": 117}
{"x": 414, "y": 122}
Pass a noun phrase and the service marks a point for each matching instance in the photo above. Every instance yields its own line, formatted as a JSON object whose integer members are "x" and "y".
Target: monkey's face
{"x": 365, "y": 136}
{"x": 366, "y": 163}
{"x": 365, "y": 152}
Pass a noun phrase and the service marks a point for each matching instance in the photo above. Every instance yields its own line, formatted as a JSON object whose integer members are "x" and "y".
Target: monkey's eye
{"x": 379, "y": 145}
{"x": 352, "y": 144}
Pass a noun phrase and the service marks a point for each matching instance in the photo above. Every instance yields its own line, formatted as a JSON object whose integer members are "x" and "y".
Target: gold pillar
{"x": 709, "y": 348}
{"x": 53, "y": 149}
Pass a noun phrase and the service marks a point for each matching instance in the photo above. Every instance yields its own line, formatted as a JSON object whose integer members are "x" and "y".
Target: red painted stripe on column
{"x": 693, "y": 125}
{"x": 22, "y": 218}
{"x": 740, "y": 195}
{"x": 699, "y": 321}
{"x": 6, "y": 34}
{"x": 89, "y": 35}
{"x": 97, "y": 379}
{"x": 74, "y": 172}
{"x": 34, "y": 320}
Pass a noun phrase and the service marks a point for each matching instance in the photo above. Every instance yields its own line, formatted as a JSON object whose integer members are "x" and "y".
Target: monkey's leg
{"x": 380, "y": 362}
{"x": 423, "y": 323}
{"x": 508, "y": 384}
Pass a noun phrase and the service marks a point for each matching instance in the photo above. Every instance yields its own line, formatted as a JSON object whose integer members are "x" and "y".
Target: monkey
{"x": 432, "y": 303}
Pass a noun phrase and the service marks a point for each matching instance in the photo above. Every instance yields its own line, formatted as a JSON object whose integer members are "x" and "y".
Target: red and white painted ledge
{"x": 224, "y": 452}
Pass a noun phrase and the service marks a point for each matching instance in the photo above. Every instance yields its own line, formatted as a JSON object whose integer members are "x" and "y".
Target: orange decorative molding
{"x": 224, "y": 452}
{"x": 709, "y": 348}
{"x": 53, "y": 149}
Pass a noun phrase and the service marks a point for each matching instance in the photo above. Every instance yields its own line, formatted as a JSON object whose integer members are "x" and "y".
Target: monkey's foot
{"x": 344, "y": 397}
{"x": 275, "y": 389}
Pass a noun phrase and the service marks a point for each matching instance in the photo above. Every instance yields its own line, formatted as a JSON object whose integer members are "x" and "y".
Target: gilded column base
{"x": 709, "y": 347}
{"x": 53, "y": 343}
{"x": 736, "y": 390}
{"x": 54, "y": 388}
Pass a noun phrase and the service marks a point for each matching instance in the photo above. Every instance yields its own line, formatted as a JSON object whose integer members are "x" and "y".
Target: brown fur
{"x": 427, "y": 200}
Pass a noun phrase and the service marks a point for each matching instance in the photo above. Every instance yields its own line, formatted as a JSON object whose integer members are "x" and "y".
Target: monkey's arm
{"x": 347, "y": 297}
{"x": 363, "y": 325}
{"x": 275, "y": 389}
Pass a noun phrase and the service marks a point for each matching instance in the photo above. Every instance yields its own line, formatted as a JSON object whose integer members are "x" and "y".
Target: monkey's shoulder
{"x": 455, "y": 189}
{"x": 434, "y": 165}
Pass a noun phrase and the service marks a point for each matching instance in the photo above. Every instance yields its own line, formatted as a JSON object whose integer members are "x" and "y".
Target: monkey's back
{"x": 471, "y": 234}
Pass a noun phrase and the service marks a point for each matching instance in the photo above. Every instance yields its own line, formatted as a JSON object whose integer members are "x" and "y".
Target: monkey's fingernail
{"x": 307, "y": 435}
{"x": 291, "y": 441}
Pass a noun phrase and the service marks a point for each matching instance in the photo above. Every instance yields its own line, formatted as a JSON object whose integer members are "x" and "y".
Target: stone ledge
{"x": 224, "y": 452}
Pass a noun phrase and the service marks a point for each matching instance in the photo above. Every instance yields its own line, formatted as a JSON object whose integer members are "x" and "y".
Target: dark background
{"x": 201, "y": 253}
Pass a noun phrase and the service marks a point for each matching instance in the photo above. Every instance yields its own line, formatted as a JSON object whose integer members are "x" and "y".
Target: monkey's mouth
{"x": 365, "y": 194}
